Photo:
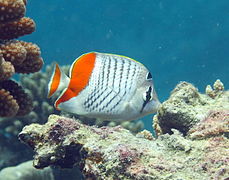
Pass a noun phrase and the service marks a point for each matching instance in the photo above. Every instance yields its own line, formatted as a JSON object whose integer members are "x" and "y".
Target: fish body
{"x": 105, "y": 86}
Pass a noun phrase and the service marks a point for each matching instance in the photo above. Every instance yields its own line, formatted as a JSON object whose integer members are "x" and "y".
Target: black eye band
{"x": 148, "y": 94}
{"x": 148, "y": 97}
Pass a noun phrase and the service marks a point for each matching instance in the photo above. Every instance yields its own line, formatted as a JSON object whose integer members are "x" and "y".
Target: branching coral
{"x": 8, "y": 104}
{"x": 6, "y": 69}
{"x": 15, "y": 29}
{"x": 16, "y": 56}
{"x": 11, "y": 10}
{"x": 33, "y": 62}
{"x": 20, "y": 57}
{"x": 24, "y": 101}
{"x": 13, "y": 52}
{"x": 23, "y": 55}
{"x": 14, "y": 100}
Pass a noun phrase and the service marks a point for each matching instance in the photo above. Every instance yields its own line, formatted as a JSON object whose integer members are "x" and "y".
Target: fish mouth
{"x": 155, "y": 106}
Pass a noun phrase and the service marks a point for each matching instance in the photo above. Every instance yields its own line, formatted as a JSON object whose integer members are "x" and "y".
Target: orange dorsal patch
{"x": 55, "y": 81}
{"x": 79, "y": 77}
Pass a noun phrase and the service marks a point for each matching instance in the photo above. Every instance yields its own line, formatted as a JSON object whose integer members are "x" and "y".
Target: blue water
{"x": 177, "y": 40}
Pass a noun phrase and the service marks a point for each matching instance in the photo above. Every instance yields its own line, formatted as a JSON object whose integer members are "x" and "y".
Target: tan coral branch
{"x": 17, "y": 28}
{"x": 18, "y": 94}
{"x": 8, "y": 105}
{"x": 6, "y": 69}
{"x": 13, "y": 51}
{"x": 11, "y": 10}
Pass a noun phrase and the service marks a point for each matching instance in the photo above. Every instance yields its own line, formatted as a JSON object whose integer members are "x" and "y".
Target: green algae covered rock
{"x": 186, "y": 108}
{"x": 114, "y": 153}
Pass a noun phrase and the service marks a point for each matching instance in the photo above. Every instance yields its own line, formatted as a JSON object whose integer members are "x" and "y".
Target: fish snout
{"x": 156, "y": 105}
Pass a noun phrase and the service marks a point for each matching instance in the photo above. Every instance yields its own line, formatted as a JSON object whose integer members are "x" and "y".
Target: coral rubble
{"x": 115, "y": 153}
{"x": 186, "y": 108}
{"x": 15, "y": 56}
{"x": 26, "y": 171}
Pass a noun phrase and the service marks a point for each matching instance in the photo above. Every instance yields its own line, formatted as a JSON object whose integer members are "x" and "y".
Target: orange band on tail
{"x": 68, "y": 94}
{"x": 80, "y": 74}
{"x": 55, "y": 81}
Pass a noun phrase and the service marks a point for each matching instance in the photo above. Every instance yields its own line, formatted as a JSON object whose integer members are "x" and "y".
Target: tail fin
{"x": 58, "y": 81}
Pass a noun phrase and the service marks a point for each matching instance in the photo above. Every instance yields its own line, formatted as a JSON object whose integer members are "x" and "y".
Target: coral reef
{"x": 26, "y": 171}
{"x": 15, "y": 56}
{"x": 115, "y": 153}
{"x": 186, "y": 107}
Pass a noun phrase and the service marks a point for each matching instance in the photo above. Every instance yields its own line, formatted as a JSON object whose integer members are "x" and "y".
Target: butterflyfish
{"x": 105, "y": 86}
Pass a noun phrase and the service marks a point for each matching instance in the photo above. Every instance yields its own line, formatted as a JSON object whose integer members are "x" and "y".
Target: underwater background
{"x": 176, "y": 40}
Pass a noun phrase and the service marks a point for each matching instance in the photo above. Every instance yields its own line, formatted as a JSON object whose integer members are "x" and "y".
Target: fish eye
{"x": 149, "y": 76}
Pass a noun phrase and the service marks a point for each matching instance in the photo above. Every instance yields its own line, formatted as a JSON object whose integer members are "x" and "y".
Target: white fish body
{"x": 105, "y": 86}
